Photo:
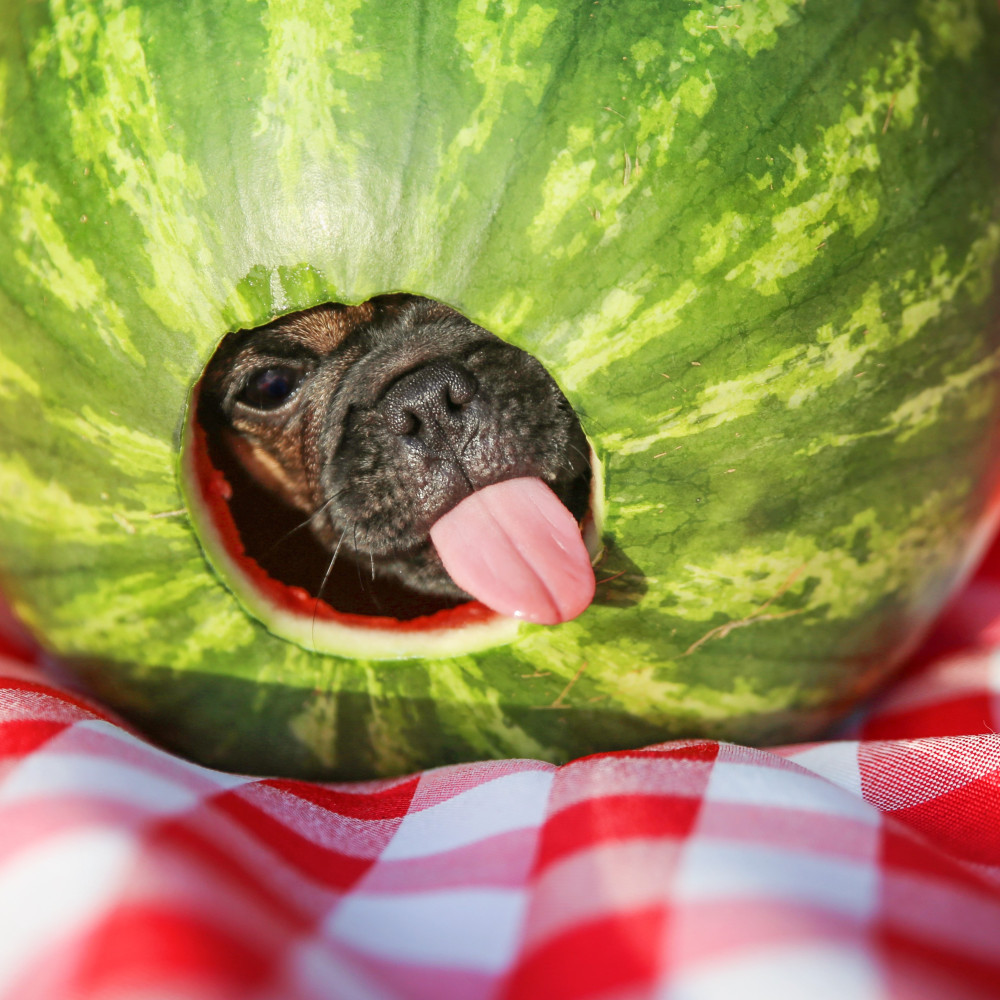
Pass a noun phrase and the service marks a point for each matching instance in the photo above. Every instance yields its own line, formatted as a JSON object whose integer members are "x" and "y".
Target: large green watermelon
{"x": 755, "y": 243}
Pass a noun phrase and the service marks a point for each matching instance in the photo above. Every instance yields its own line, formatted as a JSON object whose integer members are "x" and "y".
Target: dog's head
{"x": 374, "y": 420}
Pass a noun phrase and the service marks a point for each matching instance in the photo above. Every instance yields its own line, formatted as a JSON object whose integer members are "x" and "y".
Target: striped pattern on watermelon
{"x": 756, "y": 245}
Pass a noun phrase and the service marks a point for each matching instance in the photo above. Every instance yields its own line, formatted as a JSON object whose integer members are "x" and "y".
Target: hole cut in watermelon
{"x": 263, "y": 550}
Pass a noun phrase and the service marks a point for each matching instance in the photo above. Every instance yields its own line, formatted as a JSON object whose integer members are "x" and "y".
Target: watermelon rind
{"x": 757, "y": 246}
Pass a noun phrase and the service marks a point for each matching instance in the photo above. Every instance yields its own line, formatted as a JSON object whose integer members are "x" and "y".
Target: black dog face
{"x": 374, "y": 420}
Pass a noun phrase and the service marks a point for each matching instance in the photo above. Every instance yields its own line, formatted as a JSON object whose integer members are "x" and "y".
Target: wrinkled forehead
{"x": 320, "y": 330}
{"x": 385, "y": 351}
{"x": 379, "y": 340}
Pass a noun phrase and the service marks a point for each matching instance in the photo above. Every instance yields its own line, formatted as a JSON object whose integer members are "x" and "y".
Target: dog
{"x": 374, "y": 420}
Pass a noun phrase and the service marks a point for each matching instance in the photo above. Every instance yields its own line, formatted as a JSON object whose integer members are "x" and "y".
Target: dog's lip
{"x": 416, "y": 538}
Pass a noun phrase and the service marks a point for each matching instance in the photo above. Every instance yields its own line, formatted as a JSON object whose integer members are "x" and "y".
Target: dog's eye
{"x": 268, "y": 388}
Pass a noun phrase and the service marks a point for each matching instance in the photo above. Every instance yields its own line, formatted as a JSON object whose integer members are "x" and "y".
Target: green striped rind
{"x": 756, "y": 245}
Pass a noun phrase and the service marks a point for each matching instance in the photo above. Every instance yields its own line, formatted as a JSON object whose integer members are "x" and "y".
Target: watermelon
{"x": 756, "y": 245}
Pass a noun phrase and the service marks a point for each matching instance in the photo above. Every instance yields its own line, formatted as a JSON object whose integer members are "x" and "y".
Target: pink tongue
{"x": 516, "y": 548}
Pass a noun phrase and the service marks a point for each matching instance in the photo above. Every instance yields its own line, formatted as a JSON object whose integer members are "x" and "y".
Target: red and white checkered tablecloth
{"x": 864, "y": 868}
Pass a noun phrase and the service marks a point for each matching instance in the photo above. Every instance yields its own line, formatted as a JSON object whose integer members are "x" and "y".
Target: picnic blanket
{"x": 864, "y": 867}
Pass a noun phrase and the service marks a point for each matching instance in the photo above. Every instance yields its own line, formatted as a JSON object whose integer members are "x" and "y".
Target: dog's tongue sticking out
{"x": 516, "y": 548}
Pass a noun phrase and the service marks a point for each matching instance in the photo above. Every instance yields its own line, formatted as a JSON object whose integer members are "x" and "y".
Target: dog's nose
{"x": 429, "y": 401}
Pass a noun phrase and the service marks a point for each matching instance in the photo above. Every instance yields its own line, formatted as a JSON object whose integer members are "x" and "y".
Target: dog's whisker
{"x": 566, "y": 461}
{"x": 323, "y": 583}
{"x": 361, "y": 579}
{"x": 367, "y": 588}
{"x": 322, "y": 507}
{"x": 302, "y": 524}
{"x": 580, "y": 452}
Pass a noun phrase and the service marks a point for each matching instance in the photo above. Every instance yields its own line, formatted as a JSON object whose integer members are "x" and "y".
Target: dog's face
{"x": 374, "y": 420}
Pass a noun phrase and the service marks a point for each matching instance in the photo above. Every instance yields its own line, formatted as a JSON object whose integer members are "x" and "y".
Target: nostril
{"x": 460, "y": 392}
{"x": 435, "y": 393}
{"x": 403, "y": 423}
